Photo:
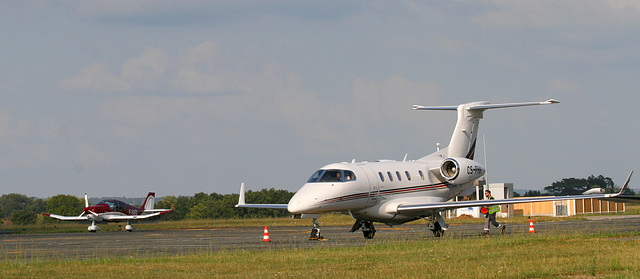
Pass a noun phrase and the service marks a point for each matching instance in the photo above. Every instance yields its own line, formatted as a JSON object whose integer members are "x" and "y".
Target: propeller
{"x": 86, "y": 207}
{"x": 93, "y": 227}
{"x": 86, "y": 204}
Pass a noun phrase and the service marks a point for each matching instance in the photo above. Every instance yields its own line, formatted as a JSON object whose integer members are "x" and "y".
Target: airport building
{"x": 547, "y": 208}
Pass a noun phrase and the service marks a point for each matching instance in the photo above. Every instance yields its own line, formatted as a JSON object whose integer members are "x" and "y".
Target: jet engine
{"x": 460, "y": 170}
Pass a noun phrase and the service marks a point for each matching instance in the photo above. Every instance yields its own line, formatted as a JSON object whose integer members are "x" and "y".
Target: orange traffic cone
{"x": 265, "y": 238}
{"x": 531, "y": 229}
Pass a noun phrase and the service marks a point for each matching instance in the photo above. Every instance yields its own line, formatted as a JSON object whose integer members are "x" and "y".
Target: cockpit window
{"x": 332, "y": 176}
{"x": 111, "y": 204}
{"x": 316, "y": 176}
{"x": 114, "y": 205}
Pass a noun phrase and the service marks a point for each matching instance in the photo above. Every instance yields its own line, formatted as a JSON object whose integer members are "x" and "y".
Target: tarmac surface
{"x": 148, "y": 243}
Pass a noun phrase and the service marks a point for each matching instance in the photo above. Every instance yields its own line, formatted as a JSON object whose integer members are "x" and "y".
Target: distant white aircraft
{"x": 396, "y": 192}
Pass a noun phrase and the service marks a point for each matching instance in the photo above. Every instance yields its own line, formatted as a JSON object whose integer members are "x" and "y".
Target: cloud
{"x": 95, "y": 78}
{"x": 197, "y": 72}
{"x": 255, "y": 97}
{"x": 21, "y": 142}
{"x": 554, "y": 14}
{"x": 148, "y": 68}
{"x": 395, "y": 94}
{"x": 144, "y": 72}
{"x": 164, "y": 12}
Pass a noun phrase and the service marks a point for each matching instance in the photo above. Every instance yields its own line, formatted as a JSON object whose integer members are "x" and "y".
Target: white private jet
{"x": 396, "y": 192}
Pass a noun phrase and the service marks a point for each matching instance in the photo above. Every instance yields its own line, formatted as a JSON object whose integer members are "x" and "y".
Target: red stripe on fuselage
{"x": 405, "y": 190}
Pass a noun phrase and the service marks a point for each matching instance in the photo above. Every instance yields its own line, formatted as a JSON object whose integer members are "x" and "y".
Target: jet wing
{"x": 411, "y": 209}
{"x": 241, "y": 202}
{"x": 67, "y": 218}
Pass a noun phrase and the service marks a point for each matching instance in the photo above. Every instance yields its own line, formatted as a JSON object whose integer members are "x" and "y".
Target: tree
{"x": 600, "y": 181}
{"x": 576, "y": 186}
{"x": 13, "y": 202}
{"x": 533, "y": 193}
{"x": 167, "y": 202}
{"x": 23, "y": 217}
{"x": 567, "y": 186}
{"x": 67, "y": 205}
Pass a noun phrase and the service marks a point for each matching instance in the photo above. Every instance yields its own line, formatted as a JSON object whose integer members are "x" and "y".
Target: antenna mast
{"x": 486, "y": 169}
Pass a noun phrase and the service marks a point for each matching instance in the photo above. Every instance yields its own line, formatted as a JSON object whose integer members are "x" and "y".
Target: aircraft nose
{"x": 302, "y": 202}
{"x": 296, "y": 205}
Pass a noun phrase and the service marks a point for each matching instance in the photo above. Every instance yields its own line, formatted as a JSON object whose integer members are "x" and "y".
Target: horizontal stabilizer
{"x": 486, "y": 105}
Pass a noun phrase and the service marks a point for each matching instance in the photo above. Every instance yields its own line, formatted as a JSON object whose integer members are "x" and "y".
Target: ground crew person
{"x": 490, "y": 218}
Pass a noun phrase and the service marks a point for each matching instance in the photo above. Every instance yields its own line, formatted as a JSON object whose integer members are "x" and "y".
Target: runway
{"x": 147, "y": 243}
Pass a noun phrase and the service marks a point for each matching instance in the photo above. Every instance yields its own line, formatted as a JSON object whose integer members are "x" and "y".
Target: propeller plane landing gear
{"x": 129, "y": 227}
{"x": 368, "y": 230}
{"x": 315, "y": 231}
{"x": 93, "y": 227}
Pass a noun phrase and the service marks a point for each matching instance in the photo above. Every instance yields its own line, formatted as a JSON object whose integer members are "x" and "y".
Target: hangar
{"x": 547, "y": 208}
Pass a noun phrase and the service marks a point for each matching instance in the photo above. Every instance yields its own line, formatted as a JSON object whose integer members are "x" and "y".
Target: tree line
{"x": 20, "y": 209}
{"x": 577, "y": 186}
{"x": 23, "y": 210}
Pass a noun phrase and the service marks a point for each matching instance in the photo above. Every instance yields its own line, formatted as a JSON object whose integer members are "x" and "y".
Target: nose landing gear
{"x": 315, "y": 231}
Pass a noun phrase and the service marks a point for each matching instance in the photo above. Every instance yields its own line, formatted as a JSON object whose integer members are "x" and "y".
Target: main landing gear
{"x": 367, "y": 228}
{"x": 437, "y": 225}
{"x": 129, "y": 227}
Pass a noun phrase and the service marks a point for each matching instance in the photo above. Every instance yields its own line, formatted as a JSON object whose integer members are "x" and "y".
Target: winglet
{"x": 241, "y": 198}
{"x": 626, "y": 183}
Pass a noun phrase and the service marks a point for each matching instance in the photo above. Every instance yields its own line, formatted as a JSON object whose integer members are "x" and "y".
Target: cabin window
{"x": 381, "y": 176}
{"x": 398, "y": 175}
{"x": 390, "y": 176}
{"x": 408, "y": 175}
{"x": 332, "y": 176}
{"x": 421, "y": 174}
{"x": 349, "y": 175}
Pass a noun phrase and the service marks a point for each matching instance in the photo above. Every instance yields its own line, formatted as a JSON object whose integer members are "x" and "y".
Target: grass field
{"x": 600, "y": 255}
{"x": 509, "y": 256}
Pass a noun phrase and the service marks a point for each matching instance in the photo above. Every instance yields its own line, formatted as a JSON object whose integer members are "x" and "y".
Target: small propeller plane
{"x": 114, "y": 211}
{"x": 396, "y": 192}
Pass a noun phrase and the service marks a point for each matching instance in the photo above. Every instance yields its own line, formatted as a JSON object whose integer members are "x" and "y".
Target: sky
{"x": 119, "y": 98}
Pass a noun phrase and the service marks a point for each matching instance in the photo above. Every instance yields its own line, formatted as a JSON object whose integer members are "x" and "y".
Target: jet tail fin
{"x": 463, "y": 140}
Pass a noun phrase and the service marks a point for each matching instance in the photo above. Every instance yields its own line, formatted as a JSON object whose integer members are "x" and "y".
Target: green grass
{"x": 563, "y": 255}
{"x": 611, "y": 255}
